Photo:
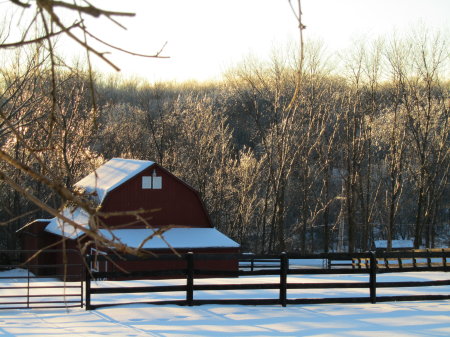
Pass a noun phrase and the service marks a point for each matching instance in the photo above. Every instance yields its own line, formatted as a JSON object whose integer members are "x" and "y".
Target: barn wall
{"x": 71, "y": 272}
{"x": 70, "y": 263}
{"x": 63, "y": 260}
{"x": 154, "y": 265}
{"x": 178, "y": 204}
{"x": 33, "y": 239}
{"x": 31, "y": 235}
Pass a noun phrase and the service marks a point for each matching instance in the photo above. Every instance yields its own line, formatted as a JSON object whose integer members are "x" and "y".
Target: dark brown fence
{"x": 42, "y": 281}
{"x": 279, "y": 265}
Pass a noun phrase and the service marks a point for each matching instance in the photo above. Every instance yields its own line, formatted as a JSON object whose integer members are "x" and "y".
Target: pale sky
{"x": 206, "y": 37}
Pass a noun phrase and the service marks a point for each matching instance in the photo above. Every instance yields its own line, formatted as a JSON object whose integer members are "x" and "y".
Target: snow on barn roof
{"x": 59, "y": 227}
{"x": 110, "y": 175}
{"x": 177, "y": 238}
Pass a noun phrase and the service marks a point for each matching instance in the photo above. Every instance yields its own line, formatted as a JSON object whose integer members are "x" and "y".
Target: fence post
{"x": 28, "y": 287}
{"x": 444, "y": 259}
{"x": 190, "y": 279}
{"x": 373, "y": 278}
{"x": 428, "y": 258}
{"x": 283, "y": 278}
{"x": 87, "y": 279}
{"x": 81, "y": 274}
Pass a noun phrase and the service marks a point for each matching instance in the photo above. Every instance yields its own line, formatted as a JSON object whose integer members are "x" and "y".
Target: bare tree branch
{"x": 21, "y": 4}
{"x": 90, "y": 10}
{"x": 39, "y": 39}
{"x": 157, "y": 55}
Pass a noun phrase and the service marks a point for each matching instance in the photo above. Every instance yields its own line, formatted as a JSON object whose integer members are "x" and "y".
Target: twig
{"x": 157, "y": 55}
{"x": 21, "y": 4}
{"x": 159, "y": 232}
{"x": 90, "y": 10}
{"x": 55, "y": 18}
{"x": 37, "y": 40}
{"x": 125, "y": 213}
{"x": 301, "y": 27}
{"x": 4, "y": 223}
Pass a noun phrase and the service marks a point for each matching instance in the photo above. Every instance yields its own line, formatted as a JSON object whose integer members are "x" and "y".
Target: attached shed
{"x": 124, "y": 185}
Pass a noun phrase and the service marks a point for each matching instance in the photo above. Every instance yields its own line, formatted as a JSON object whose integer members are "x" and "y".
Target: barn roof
{"x": 59, "y": 227}
{"x": 110, "y": 175}
{"x": 178, "y": 238}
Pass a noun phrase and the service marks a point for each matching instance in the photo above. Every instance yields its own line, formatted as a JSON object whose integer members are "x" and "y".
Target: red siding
{"x": 31, "y": 234}
{"x": 157, "y": 265}
{"x": 55, "y": 256}
{"x": 179, "y": 204}
{"x": 74, "y": 262}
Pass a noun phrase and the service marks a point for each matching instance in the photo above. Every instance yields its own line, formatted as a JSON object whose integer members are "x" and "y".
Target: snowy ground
{"x": 430, "y": 318}
{"x": 388, "y": 319}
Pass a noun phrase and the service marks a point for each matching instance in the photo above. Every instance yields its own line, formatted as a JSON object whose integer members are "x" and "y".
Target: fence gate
{"x": 29, "y": 279}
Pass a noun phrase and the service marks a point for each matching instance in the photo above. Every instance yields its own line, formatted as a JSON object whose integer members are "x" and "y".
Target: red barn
{"x": 162, "y": 200}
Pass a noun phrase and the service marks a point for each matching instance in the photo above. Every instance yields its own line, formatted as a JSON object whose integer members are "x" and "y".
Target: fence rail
{"x": 38, "y": 286}
{"x": 279, "y": 265}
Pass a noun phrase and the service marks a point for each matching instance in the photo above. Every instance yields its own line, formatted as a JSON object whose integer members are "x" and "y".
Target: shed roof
{"x": 59, "y": 227}
{"x": 178, "y": 238}
{"x": 110, "y": 175}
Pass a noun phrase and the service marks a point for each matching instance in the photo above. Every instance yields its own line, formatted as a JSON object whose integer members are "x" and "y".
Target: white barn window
{"x": 152, "y": 182}
{"x": 157, "y": 183}
{"x": 146, "y": 183}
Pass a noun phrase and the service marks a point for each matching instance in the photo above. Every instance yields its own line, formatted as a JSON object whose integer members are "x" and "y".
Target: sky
{"x": 206, "y": 37}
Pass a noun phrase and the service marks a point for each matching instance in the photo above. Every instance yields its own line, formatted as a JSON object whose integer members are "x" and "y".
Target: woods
{"x": 354, "y": 158}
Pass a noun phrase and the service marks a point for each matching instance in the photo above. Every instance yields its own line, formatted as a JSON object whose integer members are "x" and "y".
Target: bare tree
{"x": 427, "y": 128}
{"x": 56, "y": 125}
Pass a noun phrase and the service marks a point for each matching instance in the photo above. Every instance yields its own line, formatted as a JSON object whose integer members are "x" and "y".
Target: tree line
{"x": 350, "y": 154}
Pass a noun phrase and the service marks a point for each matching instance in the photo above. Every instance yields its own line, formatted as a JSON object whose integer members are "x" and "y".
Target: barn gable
{"x": 125, "y": 185}
{"x": 167, "y": 200}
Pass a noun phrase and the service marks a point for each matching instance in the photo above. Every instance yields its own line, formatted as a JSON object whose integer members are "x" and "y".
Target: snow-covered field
{"x": 428, "y": 318}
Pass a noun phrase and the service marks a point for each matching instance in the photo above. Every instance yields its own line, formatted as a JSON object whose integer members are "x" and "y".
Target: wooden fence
{"x": 280, "y": 266}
